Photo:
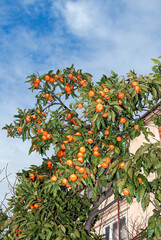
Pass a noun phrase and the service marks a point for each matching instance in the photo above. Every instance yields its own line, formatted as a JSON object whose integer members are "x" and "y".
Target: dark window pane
{"x": 115, "y": 231}
{"x": 107, "y": 232}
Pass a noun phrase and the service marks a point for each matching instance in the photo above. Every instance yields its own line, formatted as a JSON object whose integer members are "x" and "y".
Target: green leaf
{"x": 98, "y": 123}
{"x": 113, "y": 164}
{"x": 140, "y": 192}
{"x": 158, "y": 228}
{"x": 159, "y": 172}
{"x": 48, "y": 235}
{"x": 94, "y": 195}
{"x": 62, "y": 228}
{"x": 113, "y": 116}
{"x": 150, "y": 232}
{"x": 154, "y": 92}
{"x": 121, "y": 184}
{"x": 132, "y": 134}
{"x": 131, "y": 188}
{"x": 140, "y": 152}
{"x": 122, "y": 146}
{"x": 117, "y": 150}
{"x": 103, "y": 181}
{"x": 145, "y": 201}
{"x": 156, "y": 61}
{"x": 100, "y": 171}
{"x": 151, "y": 222}
{"x": 77, "y": 234}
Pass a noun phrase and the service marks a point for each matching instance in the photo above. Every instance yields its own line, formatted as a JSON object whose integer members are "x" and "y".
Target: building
{"x": 123, "y": 221}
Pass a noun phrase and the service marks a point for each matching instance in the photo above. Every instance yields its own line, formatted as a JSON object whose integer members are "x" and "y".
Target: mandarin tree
{"x": 88, "y": 127}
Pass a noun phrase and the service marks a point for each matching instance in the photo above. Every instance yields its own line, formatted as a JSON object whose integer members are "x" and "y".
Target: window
{"x": 111, "y": 230}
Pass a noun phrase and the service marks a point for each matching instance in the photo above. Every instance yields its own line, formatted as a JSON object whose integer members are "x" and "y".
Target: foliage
{"x": 91, "y": 125}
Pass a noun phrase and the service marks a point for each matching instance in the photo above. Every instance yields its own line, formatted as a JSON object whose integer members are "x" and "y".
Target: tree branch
{"x": 96, "y": 211}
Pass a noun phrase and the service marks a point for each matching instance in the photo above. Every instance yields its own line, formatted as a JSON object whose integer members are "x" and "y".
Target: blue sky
{"x": 97, "y": 36}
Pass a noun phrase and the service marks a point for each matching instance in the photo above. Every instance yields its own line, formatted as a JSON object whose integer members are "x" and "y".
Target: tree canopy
{"x": 88, "y": 128}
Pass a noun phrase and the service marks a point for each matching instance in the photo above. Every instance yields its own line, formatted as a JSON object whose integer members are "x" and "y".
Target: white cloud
{"x": 121, "y": 34}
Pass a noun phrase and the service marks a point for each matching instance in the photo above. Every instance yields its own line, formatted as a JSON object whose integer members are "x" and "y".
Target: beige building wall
{"x": 135, "y": 217}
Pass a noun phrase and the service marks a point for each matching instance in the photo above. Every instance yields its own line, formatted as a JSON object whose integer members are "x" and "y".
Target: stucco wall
{"x": 135, "y": 216}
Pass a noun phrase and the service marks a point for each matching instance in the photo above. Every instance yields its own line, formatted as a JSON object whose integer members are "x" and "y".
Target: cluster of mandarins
{"x": 99, "y": 106}
{"x": 29, "y": 119}
{"x": 48, "y": 79}
{"x": 68, "y": 87}
{"x": 125, "y": 191}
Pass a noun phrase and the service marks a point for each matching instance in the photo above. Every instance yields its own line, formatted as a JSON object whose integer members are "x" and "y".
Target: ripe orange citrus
{"x": 44, "y": 114}
{"x": 40, "y": 130}
{"x": 136, "y": 127}
{"x": 69, "y": 163}
{"x": 78, "y": 134}
{"x": 111, "y": 146}
{"x": 85, "y": 176}
{"x": 73, "y": 177}
{"x": 33, "y": 117}
{"x": 52, "y": 79}
{"x": 79, "y": 154}
{"x": 64, "y": 181}
{"x": 80, "y": 159}
{"x": 108, "y": 159}
{"x": 80, "y": 106}
{"x": 91, "y": 93}
{"x": 48, "y": 136}
{"x": 119, "y": 138}
{"x": 99, "y": 100}
{"x": 104, "y": 165}
{"x": 96, "y": 153}
{"x": 36, "y": 205}
{"x": 106, "y": 132}
{"x": 54, "y": 178}
{"x": 123, "y": 120}
{"x": 47, "y": 78}
{"x": 40, "y": 177}
{"x": 121, "y": 165}
{"x": 120, "y": 102}
{"x": 90, "y": 131}
{"x": 137, "y": 88}
{"x": 81, "y": 170}
{"x": 69, "y": 115}
{"x": 46, "y": 95}
{"x": 126, "y": 192}
{"x": 70, "y": 138}
{"x": 19, "y": 129}
{"x": 39, "y": 121}
{"x": 121, "y": 95}
{"x": 95, "y": 148}
{"x": 70, "y": 75}
{"x": 106, "y": 90}
{"x": 105, "y": 115}
{"x": 49, "y": 163}
{"x": 44, "y": 137}
{"x": 82, "y": 149}
{"x": 140, "y": 180}
{"x": 134, "y": 84}
{"x": 102, "y": 93}
{"x": 28, "y": 118}
{"x": 90, "y": 140}
{"x": 31, "y": 207}
{"x": 99, "y": 107}
{"x": 63, "y": 146}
